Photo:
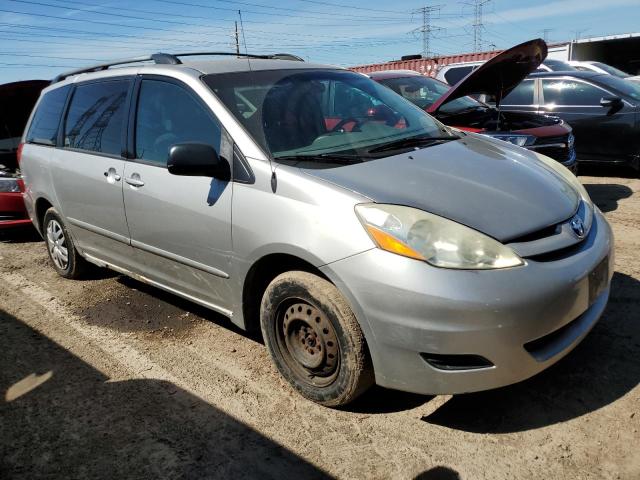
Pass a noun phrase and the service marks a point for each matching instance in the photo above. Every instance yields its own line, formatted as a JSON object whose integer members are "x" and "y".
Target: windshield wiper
{"x": 412, "y": 142}
{"x": 342, "y": 159}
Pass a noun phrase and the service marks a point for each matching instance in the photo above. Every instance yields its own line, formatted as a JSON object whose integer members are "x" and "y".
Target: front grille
{"x": 561, "y": 154}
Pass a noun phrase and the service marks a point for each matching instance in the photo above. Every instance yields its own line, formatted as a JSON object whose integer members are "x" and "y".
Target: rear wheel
{"x": 62, "y": 253}
{"x": 314, "y": 339}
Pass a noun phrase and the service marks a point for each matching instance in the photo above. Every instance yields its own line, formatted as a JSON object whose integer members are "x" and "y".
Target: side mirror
{"x": 611, "y": 102}
{"x": 197, "y": 160}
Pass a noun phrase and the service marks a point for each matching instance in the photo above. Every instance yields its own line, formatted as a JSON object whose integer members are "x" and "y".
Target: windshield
{"x": 319, "y": 112}
{"x": 630, "y": 89}
{"x": 558, "y": 65}
{"x": 611, "y": 70}
{"x": 424, "y": 91}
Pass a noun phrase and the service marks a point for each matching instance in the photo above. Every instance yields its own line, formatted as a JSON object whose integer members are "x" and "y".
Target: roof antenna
{"x": 274, "y": 179}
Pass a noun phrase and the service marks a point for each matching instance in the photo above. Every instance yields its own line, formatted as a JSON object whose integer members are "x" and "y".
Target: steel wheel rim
{"x": 57, "y": 243}
{"x": 308, "y": 342}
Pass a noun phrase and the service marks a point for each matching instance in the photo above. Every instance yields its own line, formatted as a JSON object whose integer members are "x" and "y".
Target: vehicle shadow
{"x": 602, "y": 369}
{"x": 145, "y": 308}
{"x": 604, "y": 170}
{"x": 20, "y": 235}
{"x": 607, "y": 195}
{"x": 61, "y": 418}
{"x": 438, "y": 473}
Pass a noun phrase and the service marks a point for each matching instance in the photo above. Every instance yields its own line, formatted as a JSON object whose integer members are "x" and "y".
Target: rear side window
{"x": 44, "y": 126}
{"x": 169, "y": 114}
{"x": 454, "y": 75}
{"x": 521, "y": 95}
{"x": 96, "y": 117}
{"x": 570, "y": 92}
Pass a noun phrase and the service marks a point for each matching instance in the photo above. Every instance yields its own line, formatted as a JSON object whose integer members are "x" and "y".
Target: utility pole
{"x": 578, "y": 33}
{"x": 237, "y": 42}
{"x": 477, "y": 24}
{"x": 545, "y": 33}
{"x": 427, "y": 28}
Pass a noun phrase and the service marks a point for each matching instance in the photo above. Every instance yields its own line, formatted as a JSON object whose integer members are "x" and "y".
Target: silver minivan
{"x": 369, "y": 242}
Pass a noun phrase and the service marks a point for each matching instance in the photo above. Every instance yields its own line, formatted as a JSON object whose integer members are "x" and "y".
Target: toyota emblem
{"x": 577, "y": 226}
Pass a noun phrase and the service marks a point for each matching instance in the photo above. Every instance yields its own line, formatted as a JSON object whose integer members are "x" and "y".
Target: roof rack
{"x": 171, "y": 59}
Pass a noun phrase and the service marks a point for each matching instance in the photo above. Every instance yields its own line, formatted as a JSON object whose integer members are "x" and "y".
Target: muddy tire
{"x": 314, "y": 339}
{"x": 64, "y": 257}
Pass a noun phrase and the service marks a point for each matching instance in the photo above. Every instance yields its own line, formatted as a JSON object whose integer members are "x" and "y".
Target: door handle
{"x": 134, "y": 181}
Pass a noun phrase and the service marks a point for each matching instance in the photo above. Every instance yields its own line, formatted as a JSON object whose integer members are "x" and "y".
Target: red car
{"x": 16, "y": 102}
{"x": 496, "y": 78}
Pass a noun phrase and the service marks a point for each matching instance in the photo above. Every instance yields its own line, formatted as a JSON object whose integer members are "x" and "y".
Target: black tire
{"x": 314, "y": 339}
{"x": 75, "y": 266}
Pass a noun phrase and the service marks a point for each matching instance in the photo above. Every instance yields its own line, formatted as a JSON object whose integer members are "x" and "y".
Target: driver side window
{"x": 168, "y": 114}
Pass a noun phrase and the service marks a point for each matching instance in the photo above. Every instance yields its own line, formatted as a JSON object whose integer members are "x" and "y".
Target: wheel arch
{"x": 260, "y": 275}
{"x": 42, "y": 204}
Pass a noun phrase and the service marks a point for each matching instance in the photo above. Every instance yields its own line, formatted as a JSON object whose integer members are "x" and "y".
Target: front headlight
{"x": 442, "y": 243}
{"x": 519, "y": 140}
{"x": 9, "y": 185}
{"x": 566, "y": 174}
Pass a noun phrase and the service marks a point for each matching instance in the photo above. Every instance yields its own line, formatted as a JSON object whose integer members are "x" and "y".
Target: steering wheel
{"x": 344, "y": 121}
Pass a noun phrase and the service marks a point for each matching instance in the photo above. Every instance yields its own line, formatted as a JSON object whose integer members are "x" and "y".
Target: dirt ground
{"x": 110, "y": 378}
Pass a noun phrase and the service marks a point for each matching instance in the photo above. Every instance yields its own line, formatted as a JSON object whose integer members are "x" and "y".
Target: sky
{"x": 41, "y": 38}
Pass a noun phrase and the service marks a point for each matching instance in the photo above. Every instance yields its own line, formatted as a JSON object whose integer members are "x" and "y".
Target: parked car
{"x": 552, "y": 65}
{"x": 599, "y": 67}
{"x": 603, "y": 110}
{"x": 382, "y": 248}
{"x": 452, "y": 73}
{"x": 546, "y": 134}
{"x": 16, "y": 102}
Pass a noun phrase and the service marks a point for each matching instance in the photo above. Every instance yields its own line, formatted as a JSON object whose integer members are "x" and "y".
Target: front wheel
{"x": 314, "y": 339}
{"x": 63, "y": 255}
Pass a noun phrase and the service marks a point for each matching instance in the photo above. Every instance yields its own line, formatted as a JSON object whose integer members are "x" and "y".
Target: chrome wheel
{"x": 308, "y": 343}
{"x": 57, "y": 244}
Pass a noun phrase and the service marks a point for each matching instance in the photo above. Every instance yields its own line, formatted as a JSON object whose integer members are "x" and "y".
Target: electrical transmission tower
{"x": 477, "y": 24}
{"x": 427, "y": 29}
{"x": 545, "y": 33}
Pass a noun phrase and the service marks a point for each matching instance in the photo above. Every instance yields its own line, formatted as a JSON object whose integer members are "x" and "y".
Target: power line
{"x": 329, "y": 4}
{"x": 175, "y": 2}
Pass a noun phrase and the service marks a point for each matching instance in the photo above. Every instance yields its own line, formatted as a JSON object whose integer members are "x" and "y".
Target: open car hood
{"x": 498, "y": 76}
{"x": 16, "y": 102}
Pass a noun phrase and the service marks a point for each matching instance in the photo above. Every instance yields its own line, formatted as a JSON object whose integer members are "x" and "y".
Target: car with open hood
{"x": 497, "y": 78}
{"x": 16, "y": 102}
{"x": 366, "y": 240}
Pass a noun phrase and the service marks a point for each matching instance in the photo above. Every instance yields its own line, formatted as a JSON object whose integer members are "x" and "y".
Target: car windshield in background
{"x": 631, "y": 89}
{"x": 321, "y": 114}
{"x": 611, "y": 70}
{"x": 424, "y": 91}
{"x": 559, "y": 65}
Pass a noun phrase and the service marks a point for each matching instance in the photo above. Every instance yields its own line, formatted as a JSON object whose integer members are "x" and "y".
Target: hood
{"x": 498, "y": 76}
{"x": 16, "y": 102}
{"x": 487, "y": 184}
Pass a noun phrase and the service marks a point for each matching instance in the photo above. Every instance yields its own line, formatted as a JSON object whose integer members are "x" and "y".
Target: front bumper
{"x": 408, "y": 308}
{"x": 12, "y": 211}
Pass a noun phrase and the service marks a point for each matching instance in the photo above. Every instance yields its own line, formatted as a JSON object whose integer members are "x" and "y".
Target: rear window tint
{"x": 44, "y": 126}
{"x": 521, "y": 95}
{"x": 454, "y": 75}
{"x": 96, "y": 117}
